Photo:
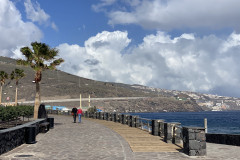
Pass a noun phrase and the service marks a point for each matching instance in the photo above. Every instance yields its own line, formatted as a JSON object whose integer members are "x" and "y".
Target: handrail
{"x": 145, "y": 124}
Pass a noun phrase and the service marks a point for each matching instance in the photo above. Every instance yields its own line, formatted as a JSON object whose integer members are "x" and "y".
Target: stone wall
{"x": 13, "y": 137}
{"x": 223, "y": 139}
{"x": 194, "y": 141}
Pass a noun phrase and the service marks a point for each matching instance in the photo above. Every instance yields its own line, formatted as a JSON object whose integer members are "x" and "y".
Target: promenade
{"x": 93, "y": 140}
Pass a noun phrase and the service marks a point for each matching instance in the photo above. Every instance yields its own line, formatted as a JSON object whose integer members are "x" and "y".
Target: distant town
{"x": 212, "y": 102}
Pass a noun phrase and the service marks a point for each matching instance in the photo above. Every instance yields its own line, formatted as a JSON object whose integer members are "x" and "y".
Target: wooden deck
{"x": 139, "y": 140}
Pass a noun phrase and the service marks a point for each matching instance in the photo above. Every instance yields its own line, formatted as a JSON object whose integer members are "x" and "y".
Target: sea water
{"x": 226, "y": 122}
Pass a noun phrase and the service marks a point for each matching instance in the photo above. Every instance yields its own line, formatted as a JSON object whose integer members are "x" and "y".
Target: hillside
{"x": 61, "y": 85}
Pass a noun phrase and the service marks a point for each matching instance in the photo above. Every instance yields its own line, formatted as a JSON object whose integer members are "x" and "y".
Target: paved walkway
{"x": 92, "y": 141}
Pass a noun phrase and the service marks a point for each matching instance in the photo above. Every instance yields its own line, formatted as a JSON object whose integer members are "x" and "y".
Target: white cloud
{"x": 54, "y": 26}
{"x": 100, "y": 58}
{"x": 232, "y": 42}
{"x": 183, "y": 63}
{"x": 36, "y": 14}
{"x": 99, "y": 7}
{"x": 175, "y": 14}
{"x": 14, "y": 32}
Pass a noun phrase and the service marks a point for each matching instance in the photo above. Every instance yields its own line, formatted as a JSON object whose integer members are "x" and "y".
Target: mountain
{"x": 57, "y": 84}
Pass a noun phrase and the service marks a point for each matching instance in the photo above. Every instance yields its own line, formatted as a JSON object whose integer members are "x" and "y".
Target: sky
{"x": 187, "y": 45}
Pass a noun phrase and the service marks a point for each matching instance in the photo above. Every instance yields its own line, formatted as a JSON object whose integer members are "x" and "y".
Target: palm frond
{"x": 3, "y": 77}
{"x": 27, "y": 52}
{"x": 56, "y": 63}
{"x": 23, "y": 62}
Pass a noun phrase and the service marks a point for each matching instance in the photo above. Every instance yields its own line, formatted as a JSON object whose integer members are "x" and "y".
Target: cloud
{"x": 232, "y": 42}
{"x": 14, "y": 32}
{"x": 186, "y": 62}
{"x": 36, "y": 14}
{"x": 54, "y": 26}
{"x": 100, "y": 58}
{"x": 100, "y": 6}
{"x": 175, "y": 14}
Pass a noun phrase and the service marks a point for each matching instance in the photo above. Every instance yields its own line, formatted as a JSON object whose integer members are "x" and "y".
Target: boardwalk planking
{"x": 139, "y": 140}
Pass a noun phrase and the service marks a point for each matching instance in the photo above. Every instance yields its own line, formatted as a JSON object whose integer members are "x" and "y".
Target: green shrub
{"x": 92, "y": 109}
{"x": 14, "y": 112}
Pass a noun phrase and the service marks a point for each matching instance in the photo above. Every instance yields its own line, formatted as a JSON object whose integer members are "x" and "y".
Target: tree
{"x": 17, "y": 74}
{"x": 41, "y": 57}
{"x": 3, "y": 77}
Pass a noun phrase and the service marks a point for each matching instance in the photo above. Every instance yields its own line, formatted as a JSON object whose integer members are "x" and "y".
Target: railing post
{"x": 156, "y": 126}
{"x": 115, "y": 117}
{"x": 101, "y": 115}
{"x": 98, "y": 115}
{"x": 110, "y": 117}
{"x": 131, "y": 124}
{"x": 126, "y": 119}
{"x": 194, "y": 141}
{"x": 176, "y": 133}
{"x": 161, "y": 128}
{"x": 106, "y": 116}
{"x": 122, "y": 118}
{"x": 137, "y": 121}
{"x": 168, "y": 133}
{"x": 129, "y": 120}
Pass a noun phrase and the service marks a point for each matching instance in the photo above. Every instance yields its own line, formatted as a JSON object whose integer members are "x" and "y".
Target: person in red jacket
{"x": 79, "y": 112}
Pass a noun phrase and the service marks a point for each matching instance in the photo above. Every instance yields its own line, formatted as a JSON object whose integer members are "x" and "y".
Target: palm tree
{"x": 41, "y": 57}
{"x": 17, "y": 74}
{"x": 3, "y": 77}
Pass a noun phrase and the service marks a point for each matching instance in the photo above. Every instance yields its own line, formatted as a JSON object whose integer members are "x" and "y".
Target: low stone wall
{"x": 13, "y": 137}
{"x": 223, "y": 139}
{"x": 194, "y": 141}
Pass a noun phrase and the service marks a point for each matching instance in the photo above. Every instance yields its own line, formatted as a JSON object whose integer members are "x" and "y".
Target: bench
{"x": 44, "y": 127}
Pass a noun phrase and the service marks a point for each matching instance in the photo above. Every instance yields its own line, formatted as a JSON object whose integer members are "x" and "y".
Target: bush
{"x": 92, "y": 109}
{"x": 14, "y": 112}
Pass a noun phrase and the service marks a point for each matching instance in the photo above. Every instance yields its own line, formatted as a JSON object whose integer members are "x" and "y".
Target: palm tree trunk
{"x": 37, "y": 100}
{"x": 1, "y": 94}
{"x": 16, "y": 96}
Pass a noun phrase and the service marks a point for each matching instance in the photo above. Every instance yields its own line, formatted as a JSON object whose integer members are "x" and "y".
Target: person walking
{"x": 74, "y": 113}
{"x": 79, "y": 112}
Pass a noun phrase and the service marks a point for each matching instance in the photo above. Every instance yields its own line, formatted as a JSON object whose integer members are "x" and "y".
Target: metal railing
{"x": 145, "y": 124}
{"x": 58, "y": 112}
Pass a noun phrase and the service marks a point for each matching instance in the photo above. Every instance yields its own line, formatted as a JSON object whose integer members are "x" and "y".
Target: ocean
{"x": 226, "y": 122}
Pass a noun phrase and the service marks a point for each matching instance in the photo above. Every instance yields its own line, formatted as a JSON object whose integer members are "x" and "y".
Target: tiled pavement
{"x": 92, "y": 141}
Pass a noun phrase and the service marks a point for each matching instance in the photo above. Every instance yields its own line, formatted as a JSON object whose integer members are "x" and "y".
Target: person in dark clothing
{"x": 74, "y": 113}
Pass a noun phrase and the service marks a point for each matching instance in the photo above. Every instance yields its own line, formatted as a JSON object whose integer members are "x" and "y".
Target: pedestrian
{"x": 74, "y": 113}
{"x": 79, "y": 112}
